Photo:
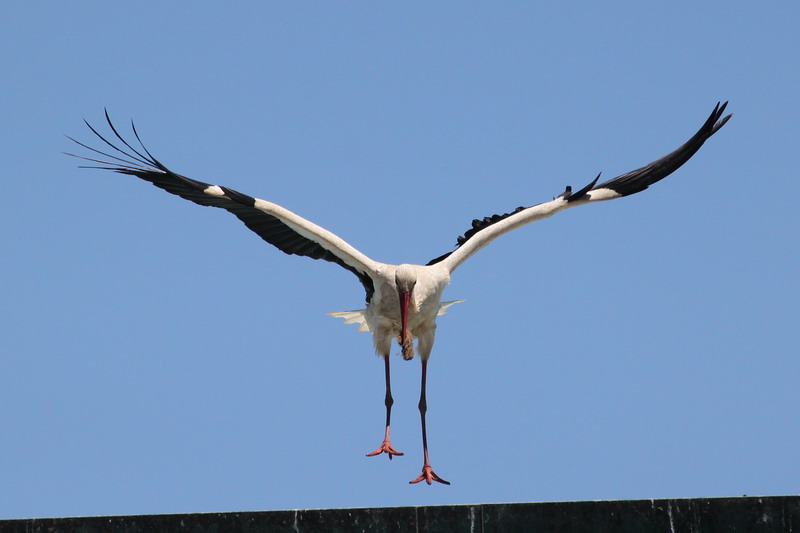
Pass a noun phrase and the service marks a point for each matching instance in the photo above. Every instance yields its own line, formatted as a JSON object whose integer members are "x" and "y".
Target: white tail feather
{"x": 444, "y": 305}
{"x": 353, "y": 317}
{"x": 357, "y": 317}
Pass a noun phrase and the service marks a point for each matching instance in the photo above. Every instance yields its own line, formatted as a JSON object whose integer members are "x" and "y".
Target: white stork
{"x": 403, "y": 301}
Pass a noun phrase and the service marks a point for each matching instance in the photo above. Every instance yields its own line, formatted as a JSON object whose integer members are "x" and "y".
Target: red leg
{"x": 386, "y": 445}
{"x": 427, "y": 472}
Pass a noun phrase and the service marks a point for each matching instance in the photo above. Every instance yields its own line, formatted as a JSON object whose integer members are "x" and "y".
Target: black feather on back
{"x": 477, "y": 225}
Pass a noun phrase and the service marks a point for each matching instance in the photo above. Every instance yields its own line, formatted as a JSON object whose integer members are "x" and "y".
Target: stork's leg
{"x": 427, "y": 472}
{"x": 386, "y": 446}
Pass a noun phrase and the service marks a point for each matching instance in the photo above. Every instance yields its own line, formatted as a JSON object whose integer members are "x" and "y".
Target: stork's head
{"x": 405, "y": 277}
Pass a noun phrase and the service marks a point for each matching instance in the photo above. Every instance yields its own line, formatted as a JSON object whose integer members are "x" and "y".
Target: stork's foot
{"x": 429, "y": 475}
{"x": 386, "y": 447}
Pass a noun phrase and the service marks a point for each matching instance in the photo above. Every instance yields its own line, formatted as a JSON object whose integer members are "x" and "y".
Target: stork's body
{"x": 403, "y": 301}
{"x": 383, "y": 316}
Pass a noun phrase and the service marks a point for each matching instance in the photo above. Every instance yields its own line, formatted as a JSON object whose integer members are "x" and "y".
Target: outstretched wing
{"x": 485, "y": 230}
{"x": 280, "y": 227}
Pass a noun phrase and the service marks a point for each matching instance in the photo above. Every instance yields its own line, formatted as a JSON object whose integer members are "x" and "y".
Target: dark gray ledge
{"x": 697, "y": 515}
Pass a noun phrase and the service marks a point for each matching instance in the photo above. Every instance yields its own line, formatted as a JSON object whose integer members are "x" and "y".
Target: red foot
{"x": 386, "y": 447}
{"x": 429, "y": 475}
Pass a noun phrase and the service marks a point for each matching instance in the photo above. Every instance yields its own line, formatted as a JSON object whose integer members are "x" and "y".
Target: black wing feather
{"x": 641, "y": 178}
{"x": 268, "y": 227}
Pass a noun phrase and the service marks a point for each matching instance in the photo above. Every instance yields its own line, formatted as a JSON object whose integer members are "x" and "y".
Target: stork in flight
{"x": 403, "y": 301}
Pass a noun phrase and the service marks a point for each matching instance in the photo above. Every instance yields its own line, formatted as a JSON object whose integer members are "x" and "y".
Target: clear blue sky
{"x": 157, "y": 357}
